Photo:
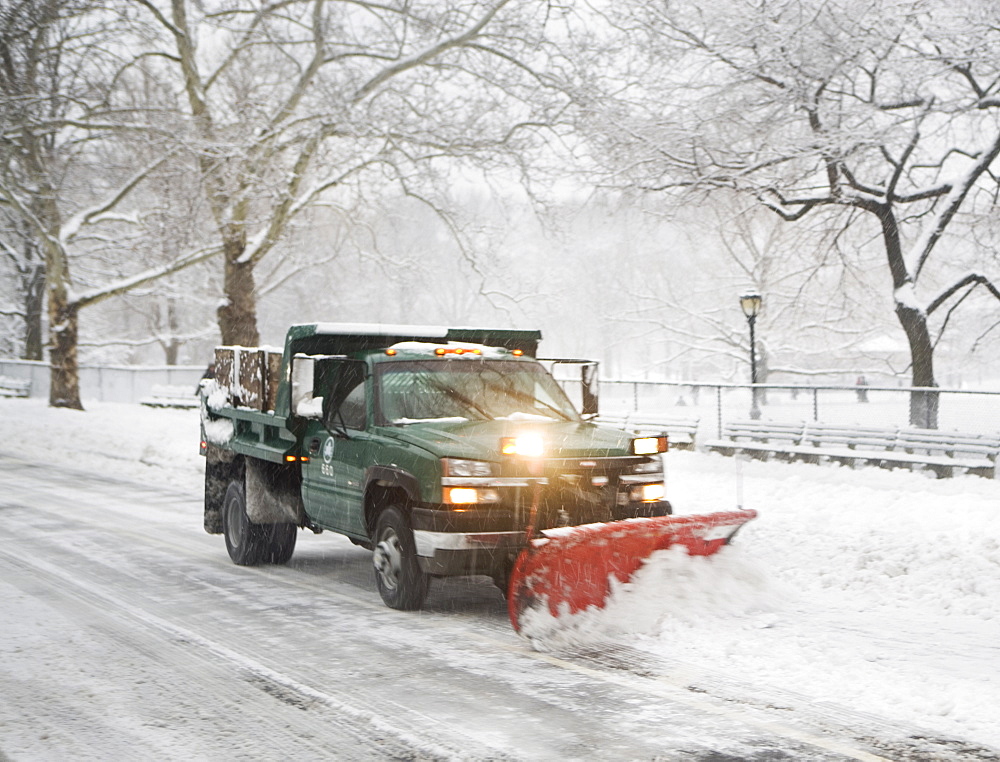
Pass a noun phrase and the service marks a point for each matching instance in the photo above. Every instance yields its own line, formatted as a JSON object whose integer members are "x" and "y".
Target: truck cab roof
{"x": 350, "y": 338}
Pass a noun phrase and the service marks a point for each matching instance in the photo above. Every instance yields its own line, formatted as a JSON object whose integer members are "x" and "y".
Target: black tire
{"x": 252, "y": 544}
{"x": 401, "y": 582}
{"x": 281, "y": 542}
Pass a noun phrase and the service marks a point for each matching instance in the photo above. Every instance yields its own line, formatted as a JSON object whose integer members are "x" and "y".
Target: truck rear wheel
{"x": 252, "y": 544}
{"x": 281, "y": 542}
{"x": 400, "y": 580}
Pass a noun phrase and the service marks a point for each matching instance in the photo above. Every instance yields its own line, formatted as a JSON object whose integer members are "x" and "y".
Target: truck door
{"x": 338, "y": 446}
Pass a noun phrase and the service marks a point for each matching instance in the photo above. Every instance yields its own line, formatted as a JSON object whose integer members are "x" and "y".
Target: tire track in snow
{"x": 489, "y": 632}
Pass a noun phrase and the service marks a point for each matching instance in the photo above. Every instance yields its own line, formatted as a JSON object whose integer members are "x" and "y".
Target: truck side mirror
{"x": 589, "y": 390}
{"x": 578, "y": 378}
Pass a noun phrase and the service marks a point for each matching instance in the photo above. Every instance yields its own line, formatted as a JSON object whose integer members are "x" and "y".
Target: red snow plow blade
{"x": 570, "y": 569}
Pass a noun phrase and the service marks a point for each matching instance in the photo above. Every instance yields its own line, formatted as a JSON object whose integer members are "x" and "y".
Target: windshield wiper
{"x": 458, "y": 397}
{"x": 531, "y": 399}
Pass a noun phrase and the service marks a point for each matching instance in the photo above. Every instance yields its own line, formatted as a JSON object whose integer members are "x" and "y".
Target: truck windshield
{"x": 469, "y": 390}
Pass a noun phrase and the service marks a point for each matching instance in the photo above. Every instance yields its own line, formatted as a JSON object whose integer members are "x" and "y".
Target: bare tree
{"x": 881, "y": 116}
{"x": 19, "y": 247}
{"x": 57, "y": 67}
{"x": 292, "y": 102}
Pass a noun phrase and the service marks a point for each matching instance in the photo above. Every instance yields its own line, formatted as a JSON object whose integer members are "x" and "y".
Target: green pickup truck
{"x": 439, "y": 449}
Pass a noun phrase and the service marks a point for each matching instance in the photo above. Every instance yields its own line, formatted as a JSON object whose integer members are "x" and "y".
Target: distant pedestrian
{"x": 862, "y": 385}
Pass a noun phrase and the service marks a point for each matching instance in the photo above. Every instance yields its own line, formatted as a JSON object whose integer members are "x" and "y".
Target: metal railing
{"x": 968, "y": 411}
{"x": 106, "y": 383}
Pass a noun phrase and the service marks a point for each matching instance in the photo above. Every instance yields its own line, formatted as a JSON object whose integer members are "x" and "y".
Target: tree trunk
{"x": 238, "y": 314}
{"x": 34, "y": 300}
{"x": 64, "y": 389}
{"x": 172, "y": 348}
{"x": 923, "y": 405}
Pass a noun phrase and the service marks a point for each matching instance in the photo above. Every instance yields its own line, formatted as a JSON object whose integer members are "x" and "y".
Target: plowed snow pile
{"x": 875, "y": 590}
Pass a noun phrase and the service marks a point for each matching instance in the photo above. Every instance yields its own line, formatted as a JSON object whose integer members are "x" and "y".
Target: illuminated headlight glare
{"x": 649, "y": 445}
{"x": 648, "y": 493}
{"x": 461, "y": 467}
{"x": 470, "y": 495}
{"x": 525, "y": 445}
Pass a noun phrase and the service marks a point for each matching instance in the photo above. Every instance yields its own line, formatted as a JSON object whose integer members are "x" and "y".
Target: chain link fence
{"x": 970, "y": 412}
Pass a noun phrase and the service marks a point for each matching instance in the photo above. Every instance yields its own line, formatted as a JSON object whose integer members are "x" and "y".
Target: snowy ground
{"x": 872, "y": 590}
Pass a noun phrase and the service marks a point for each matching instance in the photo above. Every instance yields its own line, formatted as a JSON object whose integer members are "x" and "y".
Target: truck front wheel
{"x": 401, "y": 582}
{"x": 252, "y": 544}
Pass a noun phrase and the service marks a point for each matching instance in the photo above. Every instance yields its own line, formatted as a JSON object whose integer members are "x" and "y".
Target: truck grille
{"x": 579, "y": 491}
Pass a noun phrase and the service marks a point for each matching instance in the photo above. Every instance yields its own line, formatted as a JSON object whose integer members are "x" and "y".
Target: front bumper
{"x": 484, "y": 538}
{"x": 454, "y": 553}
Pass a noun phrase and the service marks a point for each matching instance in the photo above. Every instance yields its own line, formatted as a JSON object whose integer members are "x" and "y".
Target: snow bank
{"x": 870, "y": 589}
{"x": 152, "y": 445}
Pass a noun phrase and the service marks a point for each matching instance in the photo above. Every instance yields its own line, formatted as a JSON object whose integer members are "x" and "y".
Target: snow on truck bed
{"x": 869, "y": 589}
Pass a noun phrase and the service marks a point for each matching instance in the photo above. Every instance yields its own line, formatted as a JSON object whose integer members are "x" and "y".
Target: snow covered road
{"x": 127, "y": 633}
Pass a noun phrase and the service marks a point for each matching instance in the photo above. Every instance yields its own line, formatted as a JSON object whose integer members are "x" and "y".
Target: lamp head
{"x": 750, "y": 304}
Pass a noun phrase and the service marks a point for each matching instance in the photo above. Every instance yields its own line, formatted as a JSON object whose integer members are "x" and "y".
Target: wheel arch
{"x": 385, "y": 486}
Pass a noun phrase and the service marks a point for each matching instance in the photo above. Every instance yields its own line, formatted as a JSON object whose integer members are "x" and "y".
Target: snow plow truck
{"x": 445, "y": 451}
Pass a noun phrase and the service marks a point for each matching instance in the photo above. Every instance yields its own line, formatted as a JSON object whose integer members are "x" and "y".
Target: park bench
{"x": 171, "y": 396}
{"x": 940, "y": 451}
{"x": 759, "y": 439}
{"x": 944, "y": 451}
{"x": 15, "y": 387}
{"x": 681, "y": 432}
{"x": 845, "y": 444}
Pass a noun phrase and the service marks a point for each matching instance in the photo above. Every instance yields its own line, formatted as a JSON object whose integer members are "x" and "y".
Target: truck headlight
{"x": 463, "y": 467}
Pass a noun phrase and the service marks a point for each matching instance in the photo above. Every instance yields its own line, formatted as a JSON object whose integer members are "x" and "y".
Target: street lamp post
{"x": 751, "y": 308}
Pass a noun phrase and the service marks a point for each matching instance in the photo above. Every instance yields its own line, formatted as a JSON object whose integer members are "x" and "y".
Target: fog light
{"x": 648, "y": 493}
{"x": 470, "y": 495}
{"x": 461, "y": 495}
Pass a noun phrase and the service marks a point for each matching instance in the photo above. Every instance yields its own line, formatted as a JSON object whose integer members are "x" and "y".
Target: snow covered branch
{"x": 124, "y": 285}
{"x": 428, "y": 54}
{"x": 972, "y": 279}
{"x": 71, "y": 228}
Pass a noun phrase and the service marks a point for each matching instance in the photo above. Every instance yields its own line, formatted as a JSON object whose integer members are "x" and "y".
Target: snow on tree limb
{"x": 960, "y": 188}
{"x": 101, "y": 212}
{"x": 971, "y": 279}
{"x": 428, "y": 54}
{"x": 124, "y": 285}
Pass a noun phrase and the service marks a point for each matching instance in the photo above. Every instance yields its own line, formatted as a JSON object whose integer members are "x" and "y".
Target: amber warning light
{"x": 649, "y": 445}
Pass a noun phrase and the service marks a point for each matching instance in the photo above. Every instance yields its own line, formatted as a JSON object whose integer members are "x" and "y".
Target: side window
{"x": 344, "y": 381}
{"x": 353, "y": 408}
